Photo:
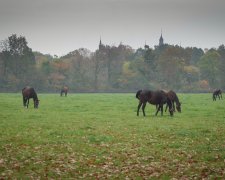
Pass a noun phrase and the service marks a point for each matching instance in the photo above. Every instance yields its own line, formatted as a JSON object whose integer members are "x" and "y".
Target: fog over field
{"x": 58, "y": 27}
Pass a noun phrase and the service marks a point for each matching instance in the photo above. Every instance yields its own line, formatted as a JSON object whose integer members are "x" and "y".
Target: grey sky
{"x": 61, "y": 26}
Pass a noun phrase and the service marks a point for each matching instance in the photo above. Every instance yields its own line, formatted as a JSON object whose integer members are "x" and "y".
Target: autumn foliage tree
{"x": 111, "y": 68}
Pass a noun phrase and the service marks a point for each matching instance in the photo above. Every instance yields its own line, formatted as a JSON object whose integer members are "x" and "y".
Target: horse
{"x": 173, "y": 97}
{"x": 29, "y": 92}
{"x": 217, "y": 93}
{"x": 64, "y": 90}
{"x": 153, "y": 97}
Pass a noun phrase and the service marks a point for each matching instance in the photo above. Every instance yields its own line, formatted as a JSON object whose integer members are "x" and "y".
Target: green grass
{"x": 92, "y": 136}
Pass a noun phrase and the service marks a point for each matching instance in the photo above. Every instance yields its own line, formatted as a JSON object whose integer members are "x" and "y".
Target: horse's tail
{"x": 138, "y": 94}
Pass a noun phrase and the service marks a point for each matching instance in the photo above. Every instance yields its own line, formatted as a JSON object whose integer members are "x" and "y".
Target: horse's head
{"x": 178, "y": 107}
{"x": 171, "y": 110}
{"x": 36, "y": 103}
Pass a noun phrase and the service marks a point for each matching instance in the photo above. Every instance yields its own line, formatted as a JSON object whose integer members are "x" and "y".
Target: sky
{"x": 58, "y": 27}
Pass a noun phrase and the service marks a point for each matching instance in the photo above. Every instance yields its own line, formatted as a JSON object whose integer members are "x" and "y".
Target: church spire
{"x": 161, "y": 39}
{"x": 146, "y": 46}
{"x": 100, "y": 43}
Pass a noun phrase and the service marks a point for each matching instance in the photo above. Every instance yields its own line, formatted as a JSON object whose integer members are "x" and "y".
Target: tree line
{"x": 111, "y": 68}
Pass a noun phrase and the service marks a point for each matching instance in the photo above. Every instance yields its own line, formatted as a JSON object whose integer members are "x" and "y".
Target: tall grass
{"x": 99, "y": 136}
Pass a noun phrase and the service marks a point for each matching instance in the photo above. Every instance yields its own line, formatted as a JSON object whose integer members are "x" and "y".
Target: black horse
{"x": 64, "y": 91}
{"x": 174, "y": 98}
{"x": 29, "y": 92}
{"x": 153, "y": 97}
{"x": 217, "y": 93}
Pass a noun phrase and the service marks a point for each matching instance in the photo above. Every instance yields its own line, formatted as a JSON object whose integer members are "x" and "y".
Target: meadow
{"x": 99, "y": 136}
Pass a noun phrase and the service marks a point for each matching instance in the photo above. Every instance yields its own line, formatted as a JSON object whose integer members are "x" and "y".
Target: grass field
{"x": 99, "y": 136}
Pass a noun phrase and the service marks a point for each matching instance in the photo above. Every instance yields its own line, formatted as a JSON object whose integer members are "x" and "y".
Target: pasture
{"x": 99, "y": 136}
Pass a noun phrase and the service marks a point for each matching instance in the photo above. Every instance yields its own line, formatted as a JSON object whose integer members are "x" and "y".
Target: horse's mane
{"x": 176, "y": 99}
{"x": 35, "y": 95}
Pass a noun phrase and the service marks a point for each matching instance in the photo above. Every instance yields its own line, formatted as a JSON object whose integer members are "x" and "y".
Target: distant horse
{"x": 28, "y": 93}
{"x": 153, "y": 97}
{"x": 173, "y": 97}
{"x": 64, "y": 91}
{"x": 217, "y": 93}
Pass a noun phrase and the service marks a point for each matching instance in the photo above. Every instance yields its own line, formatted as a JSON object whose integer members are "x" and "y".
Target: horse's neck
{"x": 176, "y": 100}
{"x": 35, "y": 96}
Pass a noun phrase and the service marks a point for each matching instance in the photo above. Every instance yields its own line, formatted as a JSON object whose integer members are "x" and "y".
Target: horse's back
{"x": 172, "y": 95}
{"x": 155, "y": 97}
{"x": 28, "y": 92}
{"x": 64, "y": 89}
{"x": 143, "y": 95}
{"x": 160, "y": 96}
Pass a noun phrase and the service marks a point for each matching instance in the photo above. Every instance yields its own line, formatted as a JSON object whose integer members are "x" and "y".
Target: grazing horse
{"x": 173, "y": 97}
{"x": 217, "y": 93}
{"x": 64, "y": 90}
{"x": 153, "y": 97}
{"x": 28, "y": 93}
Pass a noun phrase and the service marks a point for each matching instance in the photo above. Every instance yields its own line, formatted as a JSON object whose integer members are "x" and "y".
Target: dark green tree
{"x": 209, "y": 67}
{"x": 19, "y": 62}
{"x": 221, "y": 51}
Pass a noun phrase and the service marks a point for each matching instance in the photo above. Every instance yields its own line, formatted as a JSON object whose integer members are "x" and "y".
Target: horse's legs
{"x": 24, "y": 101}
{"x": 173, "y": 106}
{"x": 34, "y": 103}
{"x": 171, "y": 109}
{"x": 65, "y": 93}
{"x": 139, "y": 105}
{"x": 157, "y": 110}
{"x": 220, "y": 96}
{"x": 27, "y": 102}
{"x": 143, "y": 108}
{"x": 166, "y": 107}
{"x": 161, "y": 109}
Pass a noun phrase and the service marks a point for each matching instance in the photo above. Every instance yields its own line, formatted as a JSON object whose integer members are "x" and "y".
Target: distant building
{"x": 100, "y": 46}
{"x": 161, "y": 40}
{"x": 146, "y": 46}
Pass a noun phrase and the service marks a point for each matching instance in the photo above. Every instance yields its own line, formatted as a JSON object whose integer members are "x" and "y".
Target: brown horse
{"x": 153, "y": 97}
{"x": 173, "y": 97}
{"x": 217, "y": 93}
{"x": 64, "y": 91}
{"x": 28, "y": 93}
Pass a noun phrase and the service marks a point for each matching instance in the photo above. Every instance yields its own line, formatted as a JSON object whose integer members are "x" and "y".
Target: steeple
{"x": 146, "y": 46}
{"x": 161, "y": 39}
{"x": 100, "y": 44}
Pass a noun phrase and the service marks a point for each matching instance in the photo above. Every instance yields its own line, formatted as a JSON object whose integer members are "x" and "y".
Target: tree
{"x": 80, "y": 71}
{"x": 221, "y": 51}
{"x": 170, "y": 65}
{"x": 197, "y": 53}
{"x": 209, "y": 67}
{"x": 18, "y": 61}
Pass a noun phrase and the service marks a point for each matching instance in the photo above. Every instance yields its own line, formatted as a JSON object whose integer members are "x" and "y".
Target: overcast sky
{"x": 60, "y": 26}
